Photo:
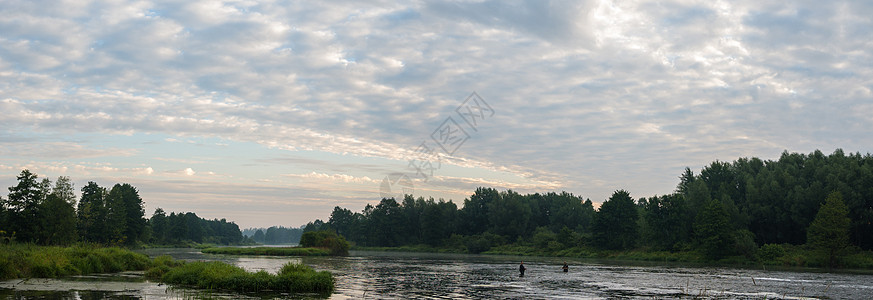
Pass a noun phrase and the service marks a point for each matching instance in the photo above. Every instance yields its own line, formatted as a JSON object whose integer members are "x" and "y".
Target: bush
{"x": 327, "y": 239}
{"x": 771, "y": 252}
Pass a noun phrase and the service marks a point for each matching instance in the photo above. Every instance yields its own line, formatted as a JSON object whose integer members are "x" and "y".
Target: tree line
{"x": 42, "y": 212}
{"x": 275, "y": 235}
{"x": 726, "y": 209}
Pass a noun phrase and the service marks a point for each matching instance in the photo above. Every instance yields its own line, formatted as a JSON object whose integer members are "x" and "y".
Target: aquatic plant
{"x": 216, "y": 275}
{"x": 28, "y": 261}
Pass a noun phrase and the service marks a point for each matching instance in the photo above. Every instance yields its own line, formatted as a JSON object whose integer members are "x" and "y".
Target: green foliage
{"x": 770, "y": 253}
{"x": 59, "y": 221}
{"x": 509, "y": 215}
{"x": 22, "y": 207}
{"x": 615, "y": 226}
{"x": 744, "y": 244}
{"x": 829, "y": 232}
{"x": 326, "y": 239}
{"x": 27, "y": 260}
{"x": 185, "y": 228}
{"x": 713, "y": 232}
{"x": 223, "y": 276}
{"x": 274, "y": 251}
{"x": 667, "y": 221}
{"x": 91, "y": 214}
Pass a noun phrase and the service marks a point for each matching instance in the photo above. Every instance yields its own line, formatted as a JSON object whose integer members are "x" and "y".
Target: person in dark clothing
{"x": 565, "y": 267}
{"x": 521, "y": 269}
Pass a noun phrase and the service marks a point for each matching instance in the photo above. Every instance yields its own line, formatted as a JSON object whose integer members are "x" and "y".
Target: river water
{"x": 389, "y": 275}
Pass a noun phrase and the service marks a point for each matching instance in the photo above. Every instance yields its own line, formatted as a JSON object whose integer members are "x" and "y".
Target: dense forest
{"x": 727, "y": 209}
{"x": 42, "y": 212}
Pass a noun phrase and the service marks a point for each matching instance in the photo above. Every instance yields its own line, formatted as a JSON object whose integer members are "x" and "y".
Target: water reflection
{"x": 382, "y": 275}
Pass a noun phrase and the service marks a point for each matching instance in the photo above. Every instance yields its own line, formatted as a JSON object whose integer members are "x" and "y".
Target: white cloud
{"x": 591, "y": 96}
{"x": 333, "y": 177}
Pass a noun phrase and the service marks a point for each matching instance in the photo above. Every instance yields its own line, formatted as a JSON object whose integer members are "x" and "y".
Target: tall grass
{"x": 28, "y": 261}
{"x": 276, "y": 251}
{"x": 217, "y": 275}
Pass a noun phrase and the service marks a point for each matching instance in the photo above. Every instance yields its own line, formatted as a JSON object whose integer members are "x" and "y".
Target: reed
{"x": 29, "y": 261}
{"x": 215, "y": 275}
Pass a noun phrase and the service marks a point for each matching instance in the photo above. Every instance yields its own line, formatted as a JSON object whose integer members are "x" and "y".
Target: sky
{"x": 274, "y": 112}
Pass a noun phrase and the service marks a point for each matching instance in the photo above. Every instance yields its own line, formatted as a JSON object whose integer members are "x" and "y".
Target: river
{"x": 390, "y": 275}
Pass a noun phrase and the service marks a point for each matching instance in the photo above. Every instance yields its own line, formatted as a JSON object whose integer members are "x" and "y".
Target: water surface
{"x": 389, "y": 275}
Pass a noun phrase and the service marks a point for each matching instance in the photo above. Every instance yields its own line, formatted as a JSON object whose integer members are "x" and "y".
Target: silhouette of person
{"x": 521, "y": 269}
{"x": 565, "y": 267}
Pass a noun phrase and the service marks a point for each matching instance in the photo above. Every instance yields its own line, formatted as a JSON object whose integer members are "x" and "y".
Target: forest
{"x": 41, "y": 212}
{"x": 749, "y": 207}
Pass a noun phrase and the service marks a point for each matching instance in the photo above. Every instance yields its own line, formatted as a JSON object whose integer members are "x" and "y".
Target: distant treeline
{"x": 274, "y": 235}
{"x": 38, "y": 211}
{"x": 179, "y": 228}
{"x": 727, "y": 209}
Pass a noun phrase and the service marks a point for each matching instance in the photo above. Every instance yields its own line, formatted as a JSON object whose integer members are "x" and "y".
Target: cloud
{"x": 589, "y": 96}
{"x": 333, "y": 177}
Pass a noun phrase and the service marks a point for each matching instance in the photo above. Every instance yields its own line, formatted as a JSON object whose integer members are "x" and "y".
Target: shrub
{"x": 328, "y": 239}
{"x": 771, "y": 252}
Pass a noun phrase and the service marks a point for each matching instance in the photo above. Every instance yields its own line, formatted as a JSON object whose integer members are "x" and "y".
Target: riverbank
{"x": 275, "y": 251}
{"x": 790, "y": 256}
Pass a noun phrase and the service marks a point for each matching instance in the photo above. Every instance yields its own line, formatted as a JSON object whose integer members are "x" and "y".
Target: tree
{"x": 328, "y": 239}
{"x": 475, "y": 209}
{"x": 22, "y": 207}
{"x": 713, "y": 232}
{"x": 58, "y": 221}
{"x": 64, "y": 190}
{"x": 258, "y": 236}
{"x": 386, "y": 219}
{"x": 615, "y": 225}
{"x": 194, "y": 228}
{"x": 91, "y": 214}
{"x": 665, "y": 217}
{"x": 828, "y": 234}
{"x": 343, "y": 220}
{"x": 125, "y": 214}
{"x": 509, "y": 215}
{"x": 159, "y": 226}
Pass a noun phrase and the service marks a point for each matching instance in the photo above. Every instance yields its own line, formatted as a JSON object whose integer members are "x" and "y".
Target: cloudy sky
{"x": 273, "y": 112}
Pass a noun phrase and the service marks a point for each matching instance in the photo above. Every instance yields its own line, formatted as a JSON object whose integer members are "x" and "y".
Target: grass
{"x": 32, "y": 261}
{"x": 275, "y": 251}
{"x": 29, "y": 261}
{"x": 216, "y": 275}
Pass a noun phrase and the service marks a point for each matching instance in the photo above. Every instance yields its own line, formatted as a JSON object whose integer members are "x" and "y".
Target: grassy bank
{"x": 31, "y": 261}
{"x": 276, "y": 251}
{"x": 217, "y": 275}
{"x": 28, "y": 261}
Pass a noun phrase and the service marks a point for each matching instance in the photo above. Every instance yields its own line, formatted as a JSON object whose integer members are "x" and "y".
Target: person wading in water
{"x": 565, "y": 267}
{"x": 521, "y": 269}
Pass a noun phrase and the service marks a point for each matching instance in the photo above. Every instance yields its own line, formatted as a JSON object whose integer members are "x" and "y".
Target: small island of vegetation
{"x": 216, "y": 275}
